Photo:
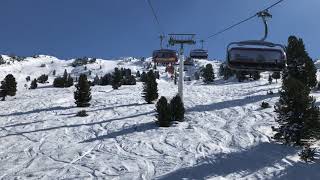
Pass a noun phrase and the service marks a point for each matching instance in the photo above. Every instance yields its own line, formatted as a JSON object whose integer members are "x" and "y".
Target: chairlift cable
{"x": 243, "y": 21}
{"x": 155, "y": 17}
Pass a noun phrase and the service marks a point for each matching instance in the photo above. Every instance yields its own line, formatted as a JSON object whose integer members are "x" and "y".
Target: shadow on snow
{"x": 136, "y": 128}
{"x": 230, "y": 103}
{"x": 247, "y": 163}
{"x": 77, "y": 125}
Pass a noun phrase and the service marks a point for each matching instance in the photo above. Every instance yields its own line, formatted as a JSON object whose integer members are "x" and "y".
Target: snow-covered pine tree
{"x": 82, "y": 95}
{"x": 69, "y": 81}
{"x": 34, "y": 84}
{"x": 53, "y": 72}
{"x": 8, "y": 87}
{"x": 143, "y": 77}
{"x": 163, "y": 112}
{"x": 150, "y": 88}
{"x": 116, "y": 79}
{"x": 298, "y": 116}
{"x": 177, "y": 109}
{"x": 208, "y": 74}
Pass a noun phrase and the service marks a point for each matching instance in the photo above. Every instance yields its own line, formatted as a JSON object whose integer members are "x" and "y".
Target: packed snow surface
{"x": 225, "y": 135}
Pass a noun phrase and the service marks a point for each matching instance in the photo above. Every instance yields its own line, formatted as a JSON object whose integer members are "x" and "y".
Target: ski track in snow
{"x": 226, "y": 135}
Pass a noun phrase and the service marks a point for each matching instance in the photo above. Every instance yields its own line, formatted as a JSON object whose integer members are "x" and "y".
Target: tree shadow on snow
{"x": 107, "y": 108}
{"x": 230, "y": 103}
{"x": 136, "y": 128}
{"x": 243, "y": 163}
{"x": 57, "y": 108}
{"x": 76, "y": 125}
{"x": 22, "y": 124}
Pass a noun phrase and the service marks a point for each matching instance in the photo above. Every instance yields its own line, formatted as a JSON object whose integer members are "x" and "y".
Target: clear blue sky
{"x": 115, "y": 28}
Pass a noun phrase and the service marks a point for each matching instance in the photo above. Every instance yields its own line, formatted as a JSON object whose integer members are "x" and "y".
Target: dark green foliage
{"x": 65, "y": 81}
{"x": 163, "y": 112}
{"x": 208, "y": 74}
{"x": 225, "y": 71}
{"x": 276, "y": 76}
{"x": 34, "y": 84}
{"x": 80, "y": 62}
{"x": 256, "y": 75}
{"x": 298, "y": 116}
{"x": 106, "y": 79}
{"x": 265, "y": 105}
{"x": 177, "y": 109}
{"x": 97, "y": 80}
{"x": 82, "y": 113}
{"x": 130, "y": 80}
{"x": 307, "y": 154}
{"x": 150, "y": 88}
{"x": 59, "y": 82}
{"x": 138, "y": 74}
{"x": 28, "y": 78}
{"x": 92, "y": 60}
{"x": 42, "y": 79}
{"x": 8, "y": 87}
{"x": 300, "y": 65}
{"x": 116, "y": 79}
{"x": 82, "y": 95}
{"x": 2, "y": 60}
{"x": 157, "y": 74}
{"x": 143, "y": 77}
{"x": 270, "y": 79}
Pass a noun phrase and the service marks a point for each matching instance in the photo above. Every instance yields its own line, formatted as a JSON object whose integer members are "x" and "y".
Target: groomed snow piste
{"x": 226, "y": 135}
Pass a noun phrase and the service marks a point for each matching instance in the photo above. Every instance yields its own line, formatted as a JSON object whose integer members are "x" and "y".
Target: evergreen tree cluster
{"x": 2, "y": 61}
{"x": 169, "y": 112}
{"x": 62, "y": 82}
{"x": 150, "y": 87}
{"x": 208, "y": 74}
{"x": 82, "y": 95}
{"x": 8, "y": 87}
{"x": 83, "y": 61}
{"x": 225, "y": 71}
{"x": 34, "y": 84}
{"x": 116, "y": 79}
{"x": 42, "y": 79}
{"x": 297, "y": 113}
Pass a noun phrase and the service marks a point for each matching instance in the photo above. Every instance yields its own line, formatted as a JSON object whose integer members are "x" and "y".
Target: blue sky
{"x": 116, "y": 28}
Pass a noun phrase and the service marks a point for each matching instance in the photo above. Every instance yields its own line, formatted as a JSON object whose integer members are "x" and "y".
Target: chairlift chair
{"x": 199, "y": 54}
{"x": 256, "y": 55}
{"x": 165, "y": 56}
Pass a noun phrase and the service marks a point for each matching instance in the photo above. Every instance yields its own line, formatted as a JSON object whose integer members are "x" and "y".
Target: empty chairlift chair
{"x": 165, "y": 56}
{"x": 256, "y": 56}
{"x": 199, "y": 54}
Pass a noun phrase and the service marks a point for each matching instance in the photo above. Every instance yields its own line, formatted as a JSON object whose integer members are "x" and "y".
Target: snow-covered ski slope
{"x": 226, "y": 135}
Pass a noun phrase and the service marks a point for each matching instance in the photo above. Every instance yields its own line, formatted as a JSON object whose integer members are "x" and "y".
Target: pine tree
{"x": 8, "y": 87}
{"x": 96, "y": 80}
{"x": 28, "y": 78}
{"x": 177, "y": 109}
{"x": 276, "y": 76}
{"x": 150, "y": 88}
{"x": 82, "y": 95}
{"x": 54, "y": 72}
{"x": 300, "y": 65}
{"x": 34, "y": 84}
{"x": 116, "y": 79}
{"x": 42, "y": 79}
{"x": 65, "y": 76}
{"x": 163, "y": 112}
{"x": 69, "y": 81}
{"x": 256, "y": 75}
{"x": 143, "y": 77}
{"x": 298, "y": 116}
{"x": 270, "y": 79}
{"x": 138, "y": 74}
{"x": 208, "y": 74}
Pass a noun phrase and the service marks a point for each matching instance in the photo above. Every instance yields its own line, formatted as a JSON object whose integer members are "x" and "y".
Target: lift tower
{"x": 181, "y": 39}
